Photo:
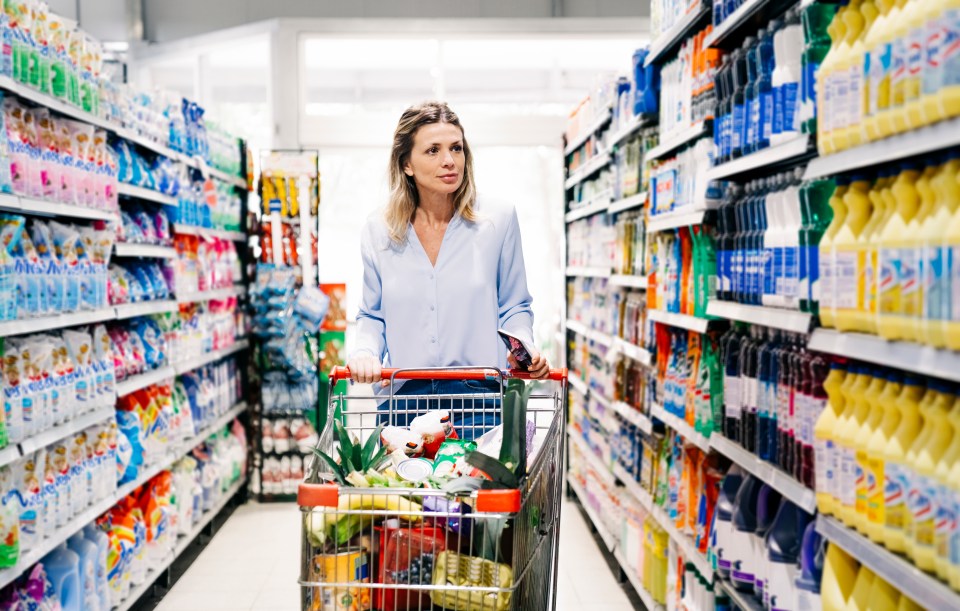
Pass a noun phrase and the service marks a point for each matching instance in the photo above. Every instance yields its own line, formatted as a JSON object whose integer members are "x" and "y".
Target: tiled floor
{"x": 253, "y": 561}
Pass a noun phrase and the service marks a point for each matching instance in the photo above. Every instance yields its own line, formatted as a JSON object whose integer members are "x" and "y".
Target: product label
{"x": 935, "y": 33}
{"x": 880, "y": 78}
{"x": 923, "y": 508}
{"x": 840, "y": 102}
{"x": 934, "y": 283}
{"x": 861, "y": 474}
{"x": 895, "y": 495}
{"x": 910, "y": 281}
{"x": 951, "y": 306}
{"x": 875, "y": 490}
{"x": 950, "y": 49}
{"x": 788, "y": 282}
{"x": 789, "y": 105}
{"x": 815, "y": 269}
{"x": 738, "y": 120}
{"x": 870, "y": 281}
{"x": 776, "y": 124}
{"x": 946, "y": 521}
{"x": 731, "y": 396}
{"x": 954, "y": 543}
{"x": 753, "y": 122}
{"x": 898, "y": 72}
{"x": 772, "y": 262}
{"x": 915, "y": 57}
{"x": 808, "y": 88}
{"x": 847, "y": 493}
{"x": 846, "y": 283}
{"x": 854, "y": 96}
{"x": 766, "y": 116}
{"x": 888, "y": 285}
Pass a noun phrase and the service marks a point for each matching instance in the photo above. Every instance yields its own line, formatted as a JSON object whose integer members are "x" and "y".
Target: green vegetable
{"x": 513, "y": 450}
{"x": 354, "y": 458}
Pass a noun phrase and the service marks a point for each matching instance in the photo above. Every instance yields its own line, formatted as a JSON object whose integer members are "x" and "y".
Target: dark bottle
{"x": 752, "y": 110}
{"x": 731, "y": 346}
{"x": 739, "y": 60}
{"x": 740, "y": 236}
{"x": 767, "y": 372}
{"x": 764, "y": 86}
{"x": 750, "y": 387}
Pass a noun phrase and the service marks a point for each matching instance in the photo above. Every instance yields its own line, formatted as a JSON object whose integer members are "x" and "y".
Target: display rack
{"x": 590, "y": 167}
{"x": 628, "y": 203}
{"x": 597, "y": 205}
{"x": 602, "y": 119}
{"x": 587, "y": 272}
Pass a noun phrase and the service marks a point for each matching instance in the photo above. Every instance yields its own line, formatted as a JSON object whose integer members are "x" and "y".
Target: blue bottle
{"x": 767, "y": 374}
{"x": 768, "y": 503}
{"x": 63, "y": 570}
{"x": 646, "y": 84}
{"x": 742, "y": 560}
{"x": 723, "y": 520}
{"x": 766, "y": 63}
{"x": 738, "y": 135}
{"x": 812, "y": 552}
{"x": 784, "y": 543}
{"x": 87, "y": 551}
{"x": 753, "y": 95}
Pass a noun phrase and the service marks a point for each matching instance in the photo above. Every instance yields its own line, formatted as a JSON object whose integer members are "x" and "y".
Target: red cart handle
{"x": 343, "y": 373}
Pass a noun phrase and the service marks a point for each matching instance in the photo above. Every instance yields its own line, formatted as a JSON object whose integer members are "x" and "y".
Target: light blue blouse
{"x": 416, "y": 315}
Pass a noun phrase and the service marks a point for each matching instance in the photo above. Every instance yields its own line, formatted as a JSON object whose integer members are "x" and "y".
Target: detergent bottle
{"x": 870, "y": 424}
{"x": 819, "y": 34}
{"x": 850, "y": 285}
{"x": 932, "y": 232}
{"x": 839, "y": 577}
{"x": 912, "y": 288}
{"x": 860, "y": 597}
{"x": 871, "y": 234}
{"x": 812, "y": 556}
{"x": 909, "y": 468}
{"x": 883, "y": 596}
{"x": 873, "y": 69}
{"x": 817, "y": 215}
{"x": 940, "y": 276}
{"x": 855, "y": 413}
{"x": 859, "y": 82}
{"x": 881, "y": 79}
{"x": 946, "y": 518}
{"x": 784, "y": 542}
{"x": 900, "y": 65}
{"x": 828, "y": 255}
{"x": 916, "y": 56}
{"x": 88, "y": 554}
{"x": 743, "y": 563}
{"x": 953, "y": 542}
{"x": 768, "y": 503}
{"x": 924, "y": 487}
{"x": 63, "y": 571}
{"x": 828, "y": 117}
{"x": 894, "y": 245}
{"x": 825, "y": 447}
{"x": 948, "y": 82}
{"x": 102, "y": 541}
{"x": 877, "y": 444}
{"x": 896, "y": 482}
{"x": 723, "y": 519}
{"x": 846, "y": 85}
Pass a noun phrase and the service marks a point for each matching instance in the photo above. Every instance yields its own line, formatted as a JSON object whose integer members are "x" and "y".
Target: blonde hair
{"x": 404, "y": 197}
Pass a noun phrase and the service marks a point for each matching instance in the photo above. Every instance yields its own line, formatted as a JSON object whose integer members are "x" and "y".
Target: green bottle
{"x": 816, "y": 215}
{"x": 816, "y": 18}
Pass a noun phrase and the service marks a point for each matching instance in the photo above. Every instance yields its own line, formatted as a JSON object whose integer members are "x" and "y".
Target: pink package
{"x": 34, "y": 183}
{"x": 50, "y": 167}
{"x": 18, "y": 145}
{"x": 68, "y": 164}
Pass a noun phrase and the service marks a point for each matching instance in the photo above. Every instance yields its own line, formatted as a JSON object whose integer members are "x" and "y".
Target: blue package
{"x": 151, "y": 337}
{"x": 128, "y": 424}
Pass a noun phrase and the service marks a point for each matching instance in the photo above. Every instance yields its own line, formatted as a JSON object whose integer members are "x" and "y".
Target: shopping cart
{"x": 416, "y": 548}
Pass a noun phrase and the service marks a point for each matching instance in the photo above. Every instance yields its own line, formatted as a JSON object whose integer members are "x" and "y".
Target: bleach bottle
{"x": 742, "y": 562}
{"x": 88, "y": 553}
{"x": 102, "y": 541}
{"x": 768, "y": 503}
{"x": 783, "y": 545}
{"x": 723, "y": 536}
{"x": 812, "y": 553}
{"x": 63, "y": 571}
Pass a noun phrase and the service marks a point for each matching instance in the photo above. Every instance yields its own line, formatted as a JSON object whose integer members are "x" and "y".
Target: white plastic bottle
{"x": 790, "y": 284}
{"x": 772, "y": 268}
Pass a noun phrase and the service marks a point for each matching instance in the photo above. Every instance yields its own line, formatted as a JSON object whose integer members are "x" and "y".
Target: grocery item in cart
{"x": 407, "y": 556}
{"x": 454, "y": 569}
{"x": 350, "y": 565}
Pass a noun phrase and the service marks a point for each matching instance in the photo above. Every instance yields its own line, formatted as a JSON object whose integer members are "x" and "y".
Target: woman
{"x": 442, "y": 271}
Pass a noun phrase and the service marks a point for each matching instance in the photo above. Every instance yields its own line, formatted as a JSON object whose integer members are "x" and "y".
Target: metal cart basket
{"x": 395, "y": 549}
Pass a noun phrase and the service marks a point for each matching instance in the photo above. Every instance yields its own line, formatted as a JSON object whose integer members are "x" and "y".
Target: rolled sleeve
{"x": 514, "y": 299}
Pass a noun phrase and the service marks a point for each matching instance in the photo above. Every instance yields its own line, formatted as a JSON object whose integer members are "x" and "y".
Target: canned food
{"x": 349, "y": 566}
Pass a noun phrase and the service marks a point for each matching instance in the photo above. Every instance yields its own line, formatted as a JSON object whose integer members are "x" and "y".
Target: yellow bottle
{"x": 846, "y": 88}
{"x": 876, "y": 445}
{"x": 949, "y": 81}
{"x": 953, "y": 488}
{"x": 859, "y": 82}
{"x": 923, "y": 488}
{"x": 862, "y": 587}
{"x": 895, "y": 483}
{"x": 871, "y": 423}
{"x": 826, "y": 97}
{"x": 883, "y": 596}
{"x": 883, "y": 70}
{"x": 894, "y": 243}
{"x": 873, "y": 70}
{"x": 828, "y": 263}
{"x": 907, "y": 604}
{"x": 839, "y": 577}
{"x": 916, "y": 58}
{"x": 849, "y": 245}
{"x": 900, "y": 47}
{"x": 931, "y": 81}
{"x": 908, "y": 471}
{"x": 946, "y": 511}
{"x": 855, "y": 414}
{"x": 951, "y": 326}
{"x": 825, "y": 448}
{"x": 911, "y": 290}
{"x": 869, "y": 238}
{"x": 940, "y": 271}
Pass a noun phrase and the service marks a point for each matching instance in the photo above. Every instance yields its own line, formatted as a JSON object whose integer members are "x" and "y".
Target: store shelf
{"x": 596, "y": 206}
{"x": 924, "y": 589}
{"x": 641, "y": 355}
{"x": 151, "y": 145}
{"x": 767, "y": 160}
{"x": 122, "y": 249}
{"x": 39, "y": 207}
{"x": 627, "y": 203}
{"x": 642, "y": 593}
{"x": 216, "y": 427}
{"x": 608, "y": 538}
{"x": 594, "y": 336}
{"x": 673, "y": 37}
{"x": 679, "y": 138}
{"x": 235, "y": 236}
{"x": 785, "y": 484}
{"x": 145, "y": 308}
{"x": 633, "y": 126}
{"x": 633, "y": 416}
{"x": 35, "y": 96}
{"x": 598, "y": 162}
{"x": 210, "y": 357}
{"x": 587, "y": 272}
{"x": 9, "y": 454}
{"x": 598, "y": 398}
{"x": 50, "y": 323}
{"x": 578, "y": 385}
{"x": 220, "y": 175}
{"x": 681, "y": 321}
{"x": 603, "y": 470}
{"x": 675, "y": 220}
{"x": 907, "y": 356}
{"x": 680, "y": 426}
{"x": 628, "y": 281}
{"x": 590, "y": 130}
{"x": 745, "y": 21}
{"x": 62, "y": 431}
{"x": 741, "y": 600}
{"x": 144, "y": 194}
{"x": 135, "y": 383}
{"x": 236, "y": 290}
{"x": 936, "y": 137}
{"x": 633, "y": 487}
{"x": 183, "y": 543}
{"x": 774, "y": 318}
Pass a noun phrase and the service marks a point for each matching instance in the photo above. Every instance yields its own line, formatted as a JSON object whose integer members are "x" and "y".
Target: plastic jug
{"x": 859, "y": 84}
{"x": 873, "y": 70}
{"x": 849, "y": 246}
{"x": 946, "y": 510}
{"x": 931, "y": 81}
{"x": 828, "y": 254}
{"x": 743, "y": 569}
{"x": 828, "y": 101}
{"x": 870, "y": 424}
{"x": 63, "y": 571}
{"x": 869, "y": 238}
{"x": 723, "y": 520}
{"x": 912, "y": 290}
{"x": 839, "y": 576}
{"x": 783, "y": 546}
{"x": 896, "y": 258}
{"x": 812, "y": 556}
{"x": 855, "y": 412}
{"x": 819, "y": 31}
{"x": 938, "y": 263}
{"x": 88, "y": 553}
{"x": 907, "y": 470}
{"x": 916, "y": 40}
{"x": 768, "y": 503}
{"x": 817, "y": 215}
{"x": 896, "y": 483}
{"x": 876, "y": 446}
{"x": 900, "y": 64}
{"x": 846, "y": 83}
{"x": 883, "y": 596}
{"x": 102, "y": 541}
{"x": 825, "y": 448}
{"x": 860, "y": 597}
{"x": 948, "y": 93}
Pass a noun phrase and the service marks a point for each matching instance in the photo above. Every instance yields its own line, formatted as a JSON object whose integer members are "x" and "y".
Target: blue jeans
{"x": 472, "y": 416}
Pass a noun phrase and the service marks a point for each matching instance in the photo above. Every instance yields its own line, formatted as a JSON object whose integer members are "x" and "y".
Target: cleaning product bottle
{"x": 883, "y": 596}
{"x": 840, "y": 573}
{"x": 768, "y": 503}
{"x": 871, "y": 423}
{"x": 859, "y": 85}
{"x": 773, "y": 248}
{"x": 818, "y": 216}
{"x": 948, "y": 81}
{"x": 732, "y": 345}
{"x": 743, "y": 569}
{"x": 873, "y": 68}
{"x": 850, "y": 286}
{"x": 723, "y": 520}
{"x": 900, "y": 64}
{"x": 938, "y": 278}
{"x": 812, "y": 556}
{"x": 953, "y": 543}
{"x": 88, "y": 555}
{"x": 847, "y": 83}
{"x": 912, "y": 288}
{"x": 907, "y": 604}
{"x": 896, "y": 484}
{"x": 870, "y": 236}
{"x": 789, "y": 287}
{"x": 876, "y": 446}
{"x": 923, "y": 487}
{"x": 894, "y": 245}
{"x": 931, "y": 78}
{"x": 828, "y": 254}
{"x": 828, "y": 117}
{"x": 946, "y": 519}
{"x": 102, "y": 541}
{"x": 916, "y": 51}
{"x": 860, "y": 597}
{"x": 855, "y": 413}
{"x": 908, "y": 470}
{"x": 765, "y": 65}
{"x": 784, "y": 542}
{"x": 63, "y": 571}
{"x": 824, "y": 432}
{"x": 819, "y": 32}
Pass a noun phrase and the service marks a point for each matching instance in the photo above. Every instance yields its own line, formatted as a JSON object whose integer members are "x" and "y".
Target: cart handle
{"x": 343, "y": 373}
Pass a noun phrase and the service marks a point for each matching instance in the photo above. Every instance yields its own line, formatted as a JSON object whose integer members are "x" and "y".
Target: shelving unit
{"x": 585, "y": 135}
{"x": 38, "y": 207}
{"x": 149, "y": 251}
{"x": 632, "y": 127}
{"x": 681, "y": 321}
{"x": 907, "y": 356}
{"x": 578, "y": 385}
{"x": 147, "y": 195}
{"x": 742, "y": 22}
{"x": 632, "y": 282}
{"x": 587, "y": 272}
{"x": 785, "y": 484}
{"x": 597, "y": 163}
{"x": 641, "y": 355}
{"x": 608, "y": 538}
{"x": 237, "y": 290}
{"x": 680, "y": 426}
{"x": 597, "y": 205}
{"x": 744, "y": 602}
{"x": 595, "y": 336}
{"x": 675, "y": 220}
{"x": 602, "y": 469}
{"x": 64, "y": 430}
{"x": 210, "y": 357}
{"x": 137, "y": 382}
{"x": 234, "y": 236}
{"x": 51, "y": 323}
{"x": 774, "y": 318}
{"x": 679, "y": 139}
{"x": 628, "y": 203}
{"x": 673, "y": 37}
{"x": 633, "y": 416}
{"x": 645, "y": 597}
{"x": 145, "y": 308}
{"x": 766, "y": 160}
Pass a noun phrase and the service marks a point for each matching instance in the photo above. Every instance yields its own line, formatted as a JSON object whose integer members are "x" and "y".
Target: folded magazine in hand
{"x": 521, "y": 352}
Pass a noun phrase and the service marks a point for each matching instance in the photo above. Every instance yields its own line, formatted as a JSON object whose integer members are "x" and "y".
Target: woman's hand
{"x": 364, "y": 369}
{"x": 539, "y": 366}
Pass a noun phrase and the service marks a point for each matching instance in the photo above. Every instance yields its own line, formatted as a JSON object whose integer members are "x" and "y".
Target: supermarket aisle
{"x": 253, "y": 561}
